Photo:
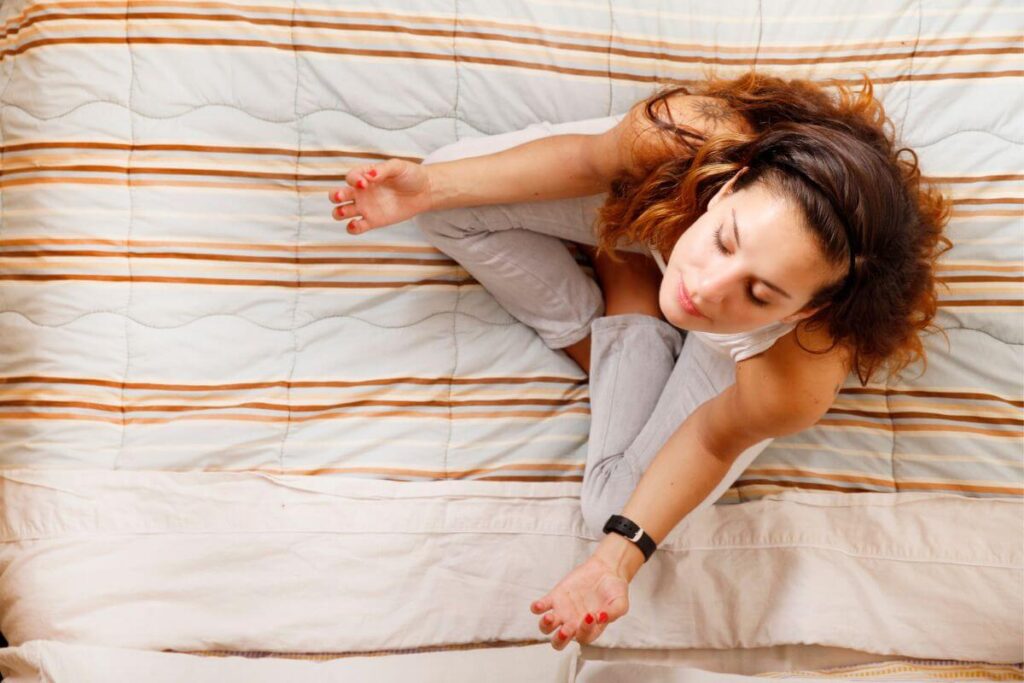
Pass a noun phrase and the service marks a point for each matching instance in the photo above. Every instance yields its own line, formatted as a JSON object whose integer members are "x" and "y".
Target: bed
{"x": 237, "y": 443}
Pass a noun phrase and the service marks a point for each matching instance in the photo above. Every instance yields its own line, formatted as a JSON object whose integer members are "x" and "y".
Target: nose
{"x": 714, "y": 284}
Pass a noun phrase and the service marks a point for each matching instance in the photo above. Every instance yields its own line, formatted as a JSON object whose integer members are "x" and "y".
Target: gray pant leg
{"x": 628, "y": 356}
{"x": 516, "y": 251}
{"x": 510, "y": 250}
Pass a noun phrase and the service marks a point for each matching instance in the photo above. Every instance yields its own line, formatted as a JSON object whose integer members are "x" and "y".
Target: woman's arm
{"x": 784, "y": 390}
{"x": 553, "y": 167}
{"x": 781, "y": 391}
{"x": 572, "y": 165}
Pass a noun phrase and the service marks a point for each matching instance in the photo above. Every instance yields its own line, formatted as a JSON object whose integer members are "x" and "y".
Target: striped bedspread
{"x": 176, "y": 300}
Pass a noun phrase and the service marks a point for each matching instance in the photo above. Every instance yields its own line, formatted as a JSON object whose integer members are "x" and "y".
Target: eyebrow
{"x": 736, "y": 236}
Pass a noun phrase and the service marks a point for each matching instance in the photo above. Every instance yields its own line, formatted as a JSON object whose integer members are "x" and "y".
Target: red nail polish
{"x": 602, "y": 617}
{"x": 589, "y": 619}
{"x": 373, "y": 173}
{"x": 361, "y": 184}
{"x": 561, "y": 635}
{"x": 547, "y": 618}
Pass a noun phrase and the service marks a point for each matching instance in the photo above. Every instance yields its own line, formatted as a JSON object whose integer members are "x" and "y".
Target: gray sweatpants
{"x": 644, "y": 380}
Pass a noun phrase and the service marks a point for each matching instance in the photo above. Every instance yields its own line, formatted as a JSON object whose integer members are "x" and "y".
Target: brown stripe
{"x": 603, "y": 48}
{"x": 297, "y": 260}
{"x": 991, "y": 213}
{"x": 229, "y": 417}
{"x": 901, "y": 415}
{"x": 782, "y": 483}
{"x": 233, "y": 282}
{"x": 793, "y": 472}
{"x": 31, "y": 277}
{"x": 259, "y": 405}
{"x": 991, "y": 200}
{"x": 990, "y": 267}
{"x": 900, "y": 486}
{"x": 973, "y": 179}
{"x": 920, "y": 428}
{"x": 426, "y": 381}
{"x": 980, "y": 278}
{"x": 874, "y": 45}
{"x": 321, "y": 656}
{"x": 394, "y": 471}
{"x": 469, "y": 59}
{"x": 950, "y": 303}
{"x": 924, "y": 393}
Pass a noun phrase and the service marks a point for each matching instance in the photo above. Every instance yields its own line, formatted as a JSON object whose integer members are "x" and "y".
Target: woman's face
{"x": 747, "y": 262}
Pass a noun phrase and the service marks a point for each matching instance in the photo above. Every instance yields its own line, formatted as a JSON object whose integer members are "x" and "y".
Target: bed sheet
{"x": 179, "y": 313}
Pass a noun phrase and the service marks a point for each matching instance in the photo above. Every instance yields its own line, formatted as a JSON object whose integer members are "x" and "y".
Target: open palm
{"x": 593, "y": 589}
{"x": 382, "y": 194}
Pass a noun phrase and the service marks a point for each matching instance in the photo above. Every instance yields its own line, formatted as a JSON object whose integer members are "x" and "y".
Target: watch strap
{"x": 632, "y": 532}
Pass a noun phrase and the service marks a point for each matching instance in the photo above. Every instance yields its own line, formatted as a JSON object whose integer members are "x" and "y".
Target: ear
{"x": 727, "y": 188}
{"x": 801, "y": 314}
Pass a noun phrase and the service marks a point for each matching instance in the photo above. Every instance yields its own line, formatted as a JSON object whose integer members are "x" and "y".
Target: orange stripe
{"x": 246, "y": 246}
{"x": 233, "y": 282}
{"x": 259, "y": 405}
{"x": 212, "y": 149}
{"x": 229, "y": 417}
{"x": 427, "y": 381}
{"x": 297, "y": 260}
{"x": 924, "y": 393}
{"x": 919, "y": 428}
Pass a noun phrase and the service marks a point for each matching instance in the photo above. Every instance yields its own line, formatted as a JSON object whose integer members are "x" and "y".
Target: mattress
{"x": 229, "y": 428}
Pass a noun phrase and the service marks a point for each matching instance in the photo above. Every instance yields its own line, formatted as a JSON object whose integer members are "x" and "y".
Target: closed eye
{"x": 750, "y": 287}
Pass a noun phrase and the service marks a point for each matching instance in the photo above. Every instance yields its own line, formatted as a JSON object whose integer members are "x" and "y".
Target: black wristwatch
{"x": 631, "y": 530}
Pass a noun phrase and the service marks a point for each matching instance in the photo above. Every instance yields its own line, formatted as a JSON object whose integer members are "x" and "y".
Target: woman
{"x": 800, "y": 247}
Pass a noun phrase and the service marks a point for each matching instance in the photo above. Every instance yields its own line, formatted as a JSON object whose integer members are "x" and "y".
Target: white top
{"x": 741, "y": 345}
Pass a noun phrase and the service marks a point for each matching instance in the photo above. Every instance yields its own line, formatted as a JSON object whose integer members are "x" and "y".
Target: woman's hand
{"x": 382, "y": 194}
{"x": 590, "y": 597}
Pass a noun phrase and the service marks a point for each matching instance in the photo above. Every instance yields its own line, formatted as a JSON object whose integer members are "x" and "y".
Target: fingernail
{"x": 361, "y": 184}
{"x": 337, "y": 196}
{"x": 602, "y": 617}
{"x": 589, "y": 619}
{"x": 547, "y": 619}
{"x": 562, "y": 635}
{"x": 373, "y": 173}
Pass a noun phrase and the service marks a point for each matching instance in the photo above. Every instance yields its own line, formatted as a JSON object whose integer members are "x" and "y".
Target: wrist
{"x": 621, "y": 555}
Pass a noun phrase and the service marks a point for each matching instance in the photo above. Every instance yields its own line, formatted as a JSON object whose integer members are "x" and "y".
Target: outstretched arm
{"x": 784, "y": 390}
{"x": 553, "y": 167}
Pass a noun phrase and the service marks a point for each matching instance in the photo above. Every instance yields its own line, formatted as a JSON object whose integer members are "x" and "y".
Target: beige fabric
{"x": 247, "y": 562}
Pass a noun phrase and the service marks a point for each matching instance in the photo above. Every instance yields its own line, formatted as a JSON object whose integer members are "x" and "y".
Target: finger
{"x": 549, "y": 623}
{"x": 343, "y": 211}
{"x": 341, "y": 194}
{"x": 541, "y": 606}
{"x": 562, "y": 637}
{"x": 357, "y": 178}
{"x": 358, "y": 226}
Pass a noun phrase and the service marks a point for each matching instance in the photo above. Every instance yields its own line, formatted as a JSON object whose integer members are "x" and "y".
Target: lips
{"x": 687, "y": 303}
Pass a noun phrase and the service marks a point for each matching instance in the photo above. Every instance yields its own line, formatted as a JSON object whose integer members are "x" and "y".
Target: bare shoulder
{"x": 792, "y": 384}
{"x": 636, "y": 138}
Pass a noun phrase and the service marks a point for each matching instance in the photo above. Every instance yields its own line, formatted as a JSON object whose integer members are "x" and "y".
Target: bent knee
{"x": 606, "y": 490}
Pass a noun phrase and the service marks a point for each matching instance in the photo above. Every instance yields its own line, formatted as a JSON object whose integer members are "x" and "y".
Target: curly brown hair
{"x": 836, "y": 157}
